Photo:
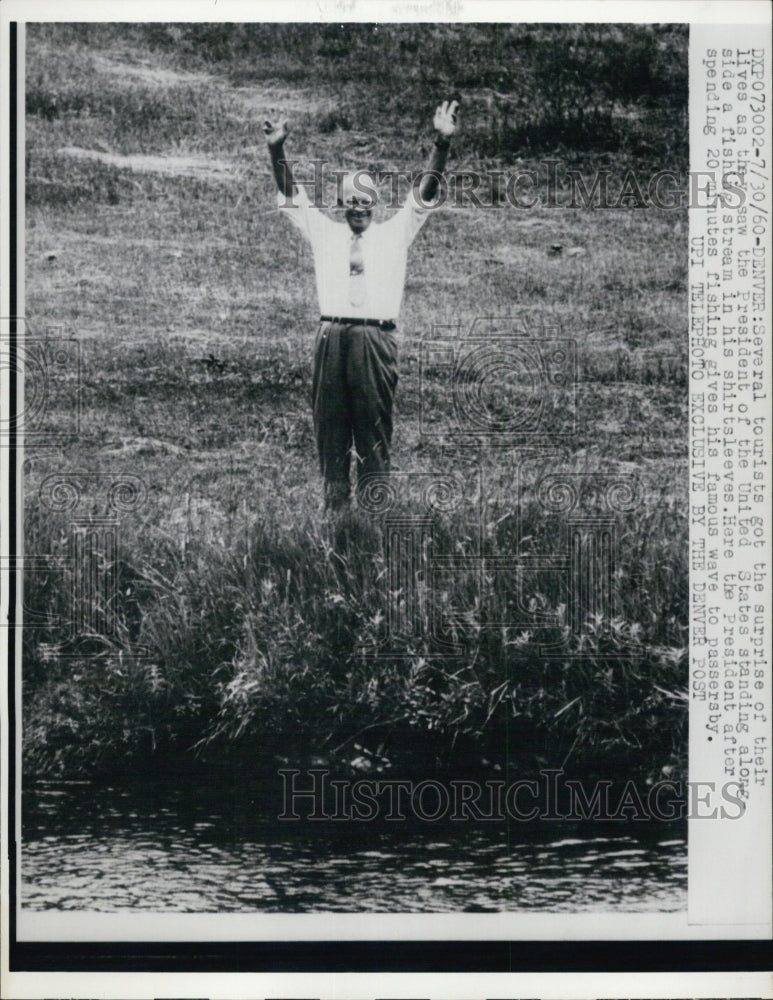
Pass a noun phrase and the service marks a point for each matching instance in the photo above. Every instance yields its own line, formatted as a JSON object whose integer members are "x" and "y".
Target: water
{"x": 217, "y": 850}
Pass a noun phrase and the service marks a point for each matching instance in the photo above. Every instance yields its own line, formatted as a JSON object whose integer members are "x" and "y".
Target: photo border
{"x": 707, "y": 954}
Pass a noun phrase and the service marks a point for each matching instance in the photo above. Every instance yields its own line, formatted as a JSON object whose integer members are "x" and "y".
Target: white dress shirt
{"x": 384, "y": 250}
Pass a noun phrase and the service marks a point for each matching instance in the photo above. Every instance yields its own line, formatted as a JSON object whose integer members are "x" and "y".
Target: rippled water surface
{"x": 176, "y": 850}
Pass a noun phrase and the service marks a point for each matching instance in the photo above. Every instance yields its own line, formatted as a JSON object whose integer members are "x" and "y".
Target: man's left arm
{"x": 444, "y": 123}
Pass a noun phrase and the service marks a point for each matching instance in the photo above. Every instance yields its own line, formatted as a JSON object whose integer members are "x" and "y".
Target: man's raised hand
{"x": 445, "y": 126}
{"x": 275, "y": 134}
{"x": 445, "y": 118}
{"x": 275, "y": 138}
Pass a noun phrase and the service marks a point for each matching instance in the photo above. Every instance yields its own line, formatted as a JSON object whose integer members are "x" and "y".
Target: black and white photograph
{"x": 369, "y": 578}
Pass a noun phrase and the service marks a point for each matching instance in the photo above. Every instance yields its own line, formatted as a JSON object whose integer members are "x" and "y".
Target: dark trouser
{"x": 353, "y": 387}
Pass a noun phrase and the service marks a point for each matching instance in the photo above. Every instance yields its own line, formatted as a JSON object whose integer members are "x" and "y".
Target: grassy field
{"x": 242, "y": 611}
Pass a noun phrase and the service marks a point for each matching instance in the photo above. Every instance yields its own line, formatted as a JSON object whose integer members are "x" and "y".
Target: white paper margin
{"x": 724, "y": 878}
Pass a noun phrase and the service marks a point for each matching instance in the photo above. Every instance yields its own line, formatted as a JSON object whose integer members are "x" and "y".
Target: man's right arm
{"x": 275, "y": 140}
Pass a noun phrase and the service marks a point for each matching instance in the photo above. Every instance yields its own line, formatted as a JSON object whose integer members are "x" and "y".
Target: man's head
{"x": 357, "y": 196}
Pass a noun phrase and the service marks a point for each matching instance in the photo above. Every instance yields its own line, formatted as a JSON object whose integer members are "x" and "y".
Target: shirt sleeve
{"x": 408, "y": 220}
{"x": 303, "y": 215}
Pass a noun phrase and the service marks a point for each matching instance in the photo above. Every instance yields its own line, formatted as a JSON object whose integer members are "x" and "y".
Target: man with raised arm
{"x": 360, "y": 273}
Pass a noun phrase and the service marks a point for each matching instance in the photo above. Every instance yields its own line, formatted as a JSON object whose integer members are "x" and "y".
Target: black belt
{"x": 382, "y": 324}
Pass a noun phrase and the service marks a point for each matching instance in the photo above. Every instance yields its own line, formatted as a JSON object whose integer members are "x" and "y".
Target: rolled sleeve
{"x": 296, "y": 208}
{"x": 312, "y": 223}
{"x": 417, "y": 215}
{"x": 408, "y": 220}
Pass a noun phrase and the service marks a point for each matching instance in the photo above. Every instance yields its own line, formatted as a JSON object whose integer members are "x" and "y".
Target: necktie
{"x": 357, "y": 288}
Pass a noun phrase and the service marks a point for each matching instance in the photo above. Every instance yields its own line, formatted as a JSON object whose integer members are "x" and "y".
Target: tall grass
{"x": 248, "y": 624}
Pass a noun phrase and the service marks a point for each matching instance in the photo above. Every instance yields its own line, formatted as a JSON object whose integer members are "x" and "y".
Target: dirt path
{"x": 192, "y": 165}
{"x": 249, "y": 103}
